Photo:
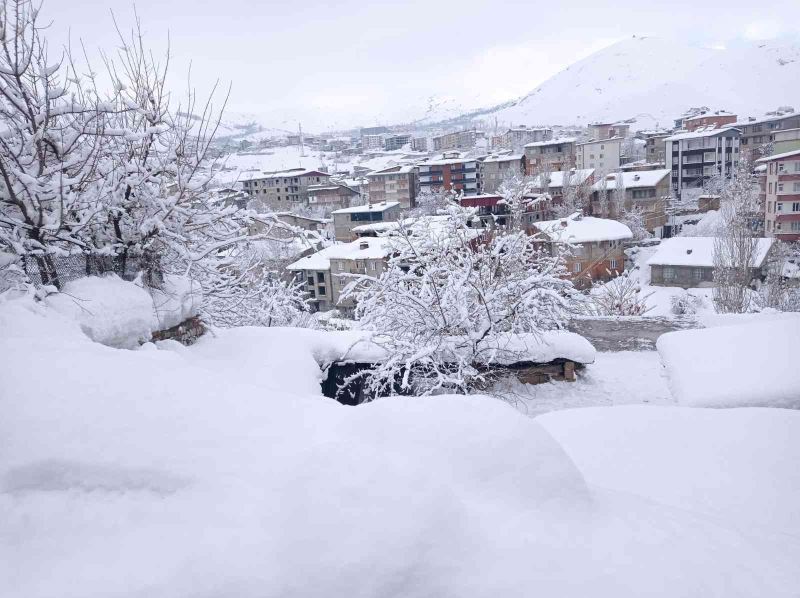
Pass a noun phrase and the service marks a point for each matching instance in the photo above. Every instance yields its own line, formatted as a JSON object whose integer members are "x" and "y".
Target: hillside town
{"x": 513, "y": 317}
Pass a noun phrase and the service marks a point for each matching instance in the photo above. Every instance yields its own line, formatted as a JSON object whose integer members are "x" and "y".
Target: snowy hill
{"x": 655, "y": 80}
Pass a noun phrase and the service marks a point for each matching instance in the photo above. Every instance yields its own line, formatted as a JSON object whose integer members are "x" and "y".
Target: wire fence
{"x": 59, "y": 270}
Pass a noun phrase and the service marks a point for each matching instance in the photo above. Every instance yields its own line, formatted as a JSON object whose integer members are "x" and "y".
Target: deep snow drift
{"x": 219, "y": 470}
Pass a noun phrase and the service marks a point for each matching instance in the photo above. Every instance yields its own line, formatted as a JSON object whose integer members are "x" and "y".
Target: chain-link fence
{"x": 58, "y": 270}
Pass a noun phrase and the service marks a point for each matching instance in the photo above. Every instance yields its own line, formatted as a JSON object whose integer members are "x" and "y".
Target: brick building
{"x": 450, "y": 173}
{"x": 394, "y": 184}
{"x": 555, "y": 154}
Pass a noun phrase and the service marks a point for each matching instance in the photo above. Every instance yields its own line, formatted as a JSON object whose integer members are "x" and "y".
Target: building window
{"x": 698, "y": 274}
{"x": 320, "y": 277}
{"x": 780, "y": 187}
{"x": 669, "y": 273}
{"x": 796, "y": 206}
{"x": 613, "y": 264}
{"x": 576, "y": 268}
{"x": 780, "y": 206}
{"x": 322, "y": 290}
{"x": 780, "y": 166}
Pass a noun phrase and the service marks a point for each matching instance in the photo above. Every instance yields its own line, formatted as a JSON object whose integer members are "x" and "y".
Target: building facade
{"x": 285, "y": 189}
{"x": 516, "y": 138}
{"x": 556, "y": 154}
{"x": 756, "y": 134}
{"x": 645, "y": 191}
{"x": 602, "y": 155}
{"x": 782, "y": 197}
{"x": 396, "y": 142}
{"x": 346, "y": 219}
{"x": 450, "y": 173}
{"x": 493, "y": 170}
{"x": 332, "y": 196}
{"x": 394, "y": 184}
{"x": 455, "y": 140}
{"x": 718, "y": 119}
{"x": 695, "y": 157}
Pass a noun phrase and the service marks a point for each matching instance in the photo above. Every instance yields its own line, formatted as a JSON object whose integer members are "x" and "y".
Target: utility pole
{"x": 302, "y": 143}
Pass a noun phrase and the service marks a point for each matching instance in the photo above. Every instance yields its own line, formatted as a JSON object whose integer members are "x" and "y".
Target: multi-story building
{"x": 785, "y": 141}
{"x": 603, "y": 155}
{"x": 718, "y": 119}
{"x": 782, "y": 199}
{"x": 419, "y": 144}
{"x": 323, "y": 274}
{"x": 516, "y": 138}
{"x": 654, "y": 146}
{"x": 647, "y": 191}
{"x": 455, "y": 140}
{"x": 373, "y": 131}
{"x": 494, "y": 169}
{"x": 396, "y": 142}
{"x": 394, "y": 184}
{"x": 695, "y": 157}
{"x": 608, "y": 130}
{"x": 450, "y": 173}
{"x": 284, "y": 189}
{"x": 596, "y": 246}
{"x": 552, "y": 183}
{"x": 555, "y": 154}
{"x": 346, "y": 219}
{"x": 372, "y": 142}
{"x": 756, "y": 134}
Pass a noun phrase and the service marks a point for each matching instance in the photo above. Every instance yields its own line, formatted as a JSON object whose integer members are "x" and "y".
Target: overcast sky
{"x": 348, "y": 62}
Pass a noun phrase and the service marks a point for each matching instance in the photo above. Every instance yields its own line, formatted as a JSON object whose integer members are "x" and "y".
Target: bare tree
{"x": 734, "y": 246}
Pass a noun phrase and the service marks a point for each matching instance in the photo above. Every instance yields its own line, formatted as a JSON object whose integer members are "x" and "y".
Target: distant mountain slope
{"x": 655, "y": 81}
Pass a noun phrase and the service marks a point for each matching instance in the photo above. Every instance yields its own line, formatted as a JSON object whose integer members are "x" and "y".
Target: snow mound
{"x": 109, "y": 310}
{"x": 752, "y": 364}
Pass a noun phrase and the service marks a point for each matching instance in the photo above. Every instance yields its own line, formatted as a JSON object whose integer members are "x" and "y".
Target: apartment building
{"x": 608, "y": 130}
{"x": 346, "y": 219}
{"x": 718, "y": 119}
{"x": 785, "y": 141}
{"x": 782, "y": 199}
{"x": 654, "y": 146}
{"x": 331, "y": 196}
{"x": 646, "y": 190}
{"x": 419, "y": 144}
{"x": 394, "y": 184}
{"x": 695, "y": 157}
{"x": 450, "y": 173}
{"x": 555, "y": 154}
{"x": 602, "y": 155}
{"x": 757, "y": 133}
{"x": 396, "y": 142}
{"x": 372, "y": 142}
{"x": 494, "y": 169}
{"x": 455, "y": 140}
{"x": 323, "y": 275}
{"x": 553, "y": 183}
{"x": 284, "y": 189}
{"x": 516, "y": 138}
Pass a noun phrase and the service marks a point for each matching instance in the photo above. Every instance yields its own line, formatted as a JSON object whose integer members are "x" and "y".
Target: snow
{"x": 752, "y": 364}
{"x": 360, "y": 249}
{"x": 738, "y": 466}
{"x": 218, "y": 469}
{"x": 108, "y": 309}
{"x": 556, "y": 178}
{"x": 583, "y": 229}
{"x": 791, "y": 154}
{"x": 368, "y": 207}
{"x": 702, "y": 132}
{"x": 543, "y": 347}
{"x": 550, "y": 142}
{"x": 632, "y": 180}
{"x": 699, "y": 251}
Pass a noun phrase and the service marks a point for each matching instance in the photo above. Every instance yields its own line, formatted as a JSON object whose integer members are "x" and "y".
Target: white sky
{"x": 346, "y": 62}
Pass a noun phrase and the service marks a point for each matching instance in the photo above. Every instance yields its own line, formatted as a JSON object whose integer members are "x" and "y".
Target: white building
{"x": 601, "y": 154}
{"x": 697, "y": 156}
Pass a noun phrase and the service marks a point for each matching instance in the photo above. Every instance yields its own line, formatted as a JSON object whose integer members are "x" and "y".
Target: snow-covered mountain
{"x": 655, "y": 80}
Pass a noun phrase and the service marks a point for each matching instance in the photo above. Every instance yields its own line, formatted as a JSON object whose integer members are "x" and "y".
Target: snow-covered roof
{"x": 584, "y": 229}
{"x": 791, "y": 154}
{"x": 397, "y": 169}
{"x": 609, "y": 140}
{"x": 360, "y": 249}
{"x": 503, "y": 158}
{"x": 446, "y": 161}
{"x": 632, "y": 179}
{"x": 698, "y": 252}
{"x": 710, "y": 131}
{"x": 368, "y": 207}
{"x": 703, "y": 115}
{"x": 551, "y": 142}
{"x": 576, "y": 177}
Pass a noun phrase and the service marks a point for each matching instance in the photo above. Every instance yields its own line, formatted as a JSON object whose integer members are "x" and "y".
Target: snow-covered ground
{"x": 219, "y": 470}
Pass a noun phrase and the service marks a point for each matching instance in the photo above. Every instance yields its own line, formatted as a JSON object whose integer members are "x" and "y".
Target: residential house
{"x": 284, "y": 189}
{"x": 309, "y": 223}
{"x": 603, "y": 155}
{"x": 492, "y": 209}
{"x": 450, "y": 173}
{"x": 455, "y": 140}
{"x": 654, "y": 146}
{"x": 647, "y": 191}
{"x": 555, "y": 154}
{"x": 552, "y": 183}
{"x": 705, "y": 119}
{"x": 331, "y": 196}
{"x": 695, "y": 157}
{"x": 688, "y": 262}
{"x": 757, "y": 133}
{"x": 394, "y": 184}
{"x": 495, "y": 169}
{"x": 323, "y": 274}
{"x": 596, "y": 246}
{"x": 782, "y": 196}
{"x": 346, "y": 219}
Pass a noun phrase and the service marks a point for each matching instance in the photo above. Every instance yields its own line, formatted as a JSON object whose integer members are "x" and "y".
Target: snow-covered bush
{"x": 447, "y": 296}
{"x": 620, "y": 296}
{"x": 685, "y": 304}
